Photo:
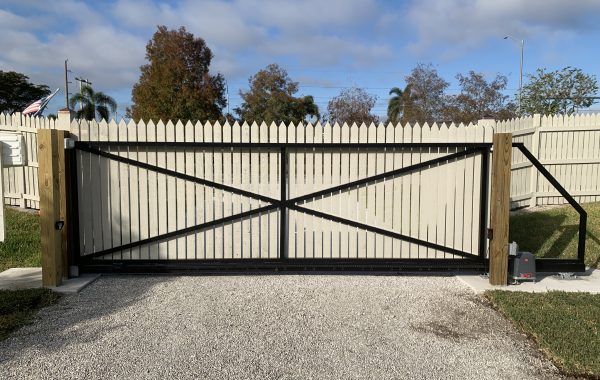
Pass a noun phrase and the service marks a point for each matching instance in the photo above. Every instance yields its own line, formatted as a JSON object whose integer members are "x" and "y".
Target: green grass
{"x": 553, "y": 232}
{"x": 17, "y": 307}
{"x": 566, "y": 326}
{"x": 21, "y": 247}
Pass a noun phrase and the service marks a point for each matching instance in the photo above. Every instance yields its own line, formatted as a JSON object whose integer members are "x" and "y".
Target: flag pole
{"x": 46, "y": 102}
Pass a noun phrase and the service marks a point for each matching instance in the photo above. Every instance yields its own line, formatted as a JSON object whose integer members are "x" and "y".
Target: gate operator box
{"x": 522, "y": 266}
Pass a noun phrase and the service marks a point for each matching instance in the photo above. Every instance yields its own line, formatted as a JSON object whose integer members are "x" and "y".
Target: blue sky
{"x": 325, "y": 45}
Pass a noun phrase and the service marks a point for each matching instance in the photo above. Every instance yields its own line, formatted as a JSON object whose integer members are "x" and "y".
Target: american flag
{"x": 37, "y": 106}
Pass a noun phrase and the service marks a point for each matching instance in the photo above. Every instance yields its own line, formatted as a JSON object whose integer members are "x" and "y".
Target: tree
{"x": 479, "y": 99}
{"x": 16, "y": 92}
{"x": 427, "y": 93}
{"x": 93, "y": 104}
{"x": 352, "y": 105}
{"x": 176, "y": 83}
{"x": 271, "y": 99}
{"x": 561, "y": 91}
{"x": 400, "y": 104}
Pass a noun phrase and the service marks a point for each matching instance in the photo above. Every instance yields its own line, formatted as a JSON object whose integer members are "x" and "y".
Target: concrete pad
{"x": 29, "y": 278}
{"x": 75, "y": 284}
{"x": 587, "y": 282}
{"x": 21, "y": 278}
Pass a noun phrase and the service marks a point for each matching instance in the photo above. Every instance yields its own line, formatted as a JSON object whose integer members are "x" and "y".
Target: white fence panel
{"x": 121, "y": 203}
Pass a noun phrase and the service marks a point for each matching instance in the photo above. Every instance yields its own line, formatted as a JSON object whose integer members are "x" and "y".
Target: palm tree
{"x": 398, "y": 103}
{"x": 93, "y": 103}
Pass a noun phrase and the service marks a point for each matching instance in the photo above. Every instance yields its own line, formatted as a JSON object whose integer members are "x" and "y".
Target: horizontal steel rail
{"x": 252, "y": 145}
{"x": 306, "y": 266}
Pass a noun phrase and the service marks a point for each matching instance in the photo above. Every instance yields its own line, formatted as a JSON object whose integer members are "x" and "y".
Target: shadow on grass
{"x": 533, "y": 231}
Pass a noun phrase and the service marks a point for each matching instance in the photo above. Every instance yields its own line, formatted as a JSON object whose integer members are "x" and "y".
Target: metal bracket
{"x": 69, "y": 143}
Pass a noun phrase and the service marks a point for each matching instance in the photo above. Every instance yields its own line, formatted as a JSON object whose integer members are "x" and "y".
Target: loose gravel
{"x": 274, "y": 326}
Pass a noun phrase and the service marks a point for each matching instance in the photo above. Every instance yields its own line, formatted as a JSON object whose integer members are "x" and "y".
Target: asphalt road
{"x": 267, "y": 327}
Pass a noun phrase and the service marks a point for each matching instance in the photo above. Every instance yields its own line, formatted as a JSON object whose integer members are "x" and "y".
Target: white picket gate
{"x": 122, "y": 203}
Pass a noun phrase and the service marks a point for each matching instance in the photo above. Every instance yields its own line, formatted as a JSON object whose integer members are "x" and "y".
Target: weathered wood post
{"x": 500, "y": 205}
{"x": 49, "y": 183}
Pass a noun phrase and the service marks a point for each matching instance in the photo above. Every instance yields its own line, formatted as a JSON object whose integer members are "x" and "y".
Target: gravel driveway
{"x": 276, "y": 326}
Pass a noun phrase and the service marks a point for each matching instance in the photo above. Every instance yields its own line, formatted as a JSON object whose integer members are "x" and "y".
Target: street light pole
{"x": 66, "y": 84}
{"x": 522, "y": 42}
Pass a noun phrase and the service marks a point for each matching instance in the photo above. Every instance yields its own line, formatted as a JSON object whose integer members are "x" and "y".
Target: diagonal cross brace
{"x": 380, "y": 177}
{"x": 176, "y": 174}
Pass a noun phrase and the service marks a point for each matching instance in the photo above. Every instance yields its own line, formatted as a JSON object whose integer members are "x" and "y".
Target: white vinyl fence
{"x": 568, "y": 146}
{"x": 120, "y": 203}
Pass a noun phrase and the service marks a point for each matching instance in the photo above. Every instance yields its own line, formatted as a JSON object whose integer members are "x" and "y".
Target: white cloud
{"x": 327, "y": 50}
{"x": 309, "y": 14}
{"x": 467, "y": 23}
{"x": 106, "y": 42}
{"x": 234, "y": 30}
{"x": 11, "y": 21}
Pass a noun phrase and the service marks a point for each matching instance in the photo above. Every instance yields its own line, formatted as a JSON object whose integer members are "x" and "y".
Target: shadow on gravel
{"x": 67, "y": 322}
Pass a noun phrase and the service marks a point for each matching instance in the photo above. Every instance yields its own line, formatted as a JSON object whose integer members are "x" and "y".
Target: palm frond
{"x": 103, "y": 112}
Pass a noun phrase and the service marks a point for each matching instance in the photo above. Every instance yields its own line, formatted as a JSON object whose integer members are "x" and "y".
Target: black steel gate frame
{"x": 469, "y": 261}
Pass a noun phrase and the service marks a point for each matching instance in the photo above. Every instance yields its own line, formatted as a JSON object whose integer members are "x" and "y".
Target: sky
{"x": 325, "y": 45}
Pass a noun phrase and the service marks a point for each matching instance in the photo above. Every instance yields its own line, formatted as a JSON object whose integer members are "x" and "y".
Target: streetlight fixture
{"x": 522, "y": 42}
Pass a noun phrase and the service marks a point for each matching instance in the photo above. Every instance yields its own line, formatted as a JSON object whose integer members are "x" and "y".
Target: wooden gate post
{"x": 49, "y": 183}
{"x": 500, "y": 205}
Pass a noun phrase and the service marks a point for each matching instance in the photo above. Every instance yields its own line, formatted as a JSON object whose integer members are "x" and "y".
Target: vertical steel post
{"x": 282, "y": 207}
{"x": 582, "y": 232}
{"x": 73, "y": 226}
{"x": 485, "y": 152}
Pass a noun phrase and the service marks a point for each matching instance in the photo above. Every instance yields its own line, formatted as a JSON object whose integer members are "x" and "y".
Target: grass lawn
{"x": 553, "y": 232}
{"x": 566, "y": 326}
{"x": 22, "y": 247}
{"x": 17, "y": 307}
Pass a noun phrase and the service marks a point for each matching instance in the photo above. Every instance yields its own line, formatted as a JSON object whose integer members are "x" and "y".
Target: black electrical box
{"x": 522, "y": 266}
